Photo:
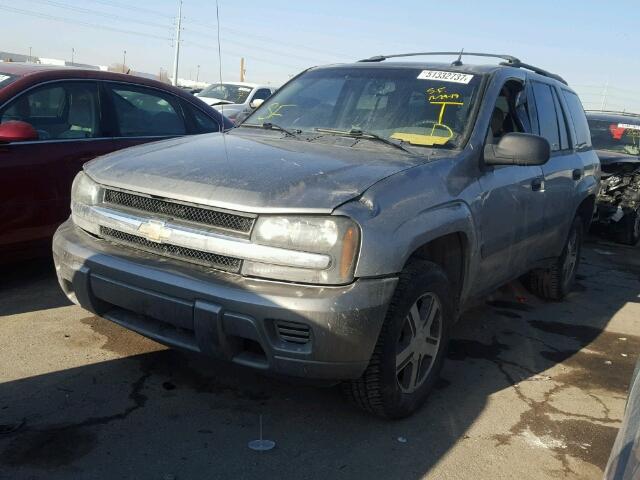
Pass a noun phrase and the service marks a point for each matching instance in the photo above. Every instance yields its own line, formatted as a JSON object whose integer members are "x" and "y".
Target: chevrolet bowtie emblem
{"x": 154, "y": 231}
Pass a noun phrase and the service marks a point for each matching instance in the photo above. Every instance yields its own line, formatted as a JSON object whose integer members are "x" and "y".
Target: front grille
{"x": 213, "y": 218}
{"x": 293, "y": 332}
{"x": 221, "y": 262}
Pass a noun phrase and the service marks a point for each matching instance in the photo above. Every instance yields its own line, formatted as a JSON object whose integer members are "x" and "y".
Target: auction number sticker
{"x": 453, "y": 77}
{"x": 627, "y": 126}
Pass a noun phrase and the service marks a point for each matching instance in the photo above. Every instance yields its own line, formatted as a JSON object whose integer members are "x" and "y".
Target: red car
{"x": 53, "y": 120}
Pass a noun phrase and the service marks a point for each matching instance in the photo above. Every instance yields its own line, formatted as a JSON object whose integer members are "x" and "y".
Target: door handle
{"x": 536, "y": 184}
{"x": 576, "y": 174}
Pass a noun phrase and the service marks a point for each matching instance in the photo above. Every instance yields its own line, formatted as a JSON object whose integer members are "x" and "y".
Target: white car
{"x": 235, "y": 99}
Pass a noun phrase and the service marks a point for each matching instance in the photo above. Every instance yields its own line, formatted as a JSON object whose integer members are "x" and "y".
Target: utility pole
{"x": 242, "y": 70}
{"x": 124, "y": 60}
{"x": 198, "y": 73}
{"x": 604, "y": 95}
{"x": 73, "y": 54}
{"x": 176, "y": 58}
{"x": 29, "y": 54}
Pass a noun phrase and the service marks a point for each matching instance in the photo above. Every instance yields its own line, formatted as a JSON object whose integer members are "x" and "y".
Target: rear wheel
{"x": 408, "y": 357}
{"x": 629, "y": 228}
{"x": 555, "y": 282}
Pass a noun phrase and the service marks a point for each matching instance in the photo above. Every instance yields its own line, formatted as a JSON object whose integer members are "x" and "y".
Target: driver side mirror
{"x": 256, "y": 103}
{"x": 518, "y": 149}
{"x": 17, "y": 131}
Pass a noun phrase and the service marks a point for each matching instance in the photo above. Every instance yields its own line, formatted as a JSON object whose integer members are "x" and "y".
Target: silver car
{"x": 338, "y": 232}
{"x": 235, "y": 99}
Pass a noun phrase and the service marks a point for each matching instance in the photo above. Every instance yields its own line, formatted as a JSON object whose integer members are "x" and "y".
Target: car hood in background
{"x": 609, "y": 158}
{"x": 252, "y": 172}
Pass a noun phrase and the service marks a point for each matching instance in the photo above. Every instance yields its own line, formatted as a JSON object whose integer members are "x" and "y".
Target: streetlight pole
{"x": 198, "y": 73}
{"x": 73, "y": 54}
{"x": 29, "y": 54}
{"x": 176, "y": 58}
{"x": 124, "y": 59}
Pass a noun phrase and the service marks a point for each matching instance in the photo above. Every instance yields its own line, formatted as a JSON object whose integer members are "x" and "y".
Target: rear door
{"x": 137, "y": 114}
{"x": 561, "y": 172}
{"x": 36, "y": 176}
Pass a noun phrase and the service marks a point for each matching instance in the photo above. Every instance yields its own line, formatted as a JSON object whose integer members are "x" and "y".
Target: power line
{"x": 129, "y": 7}
{"x": 65, "y": 6}
{"x": 80, "y": 23}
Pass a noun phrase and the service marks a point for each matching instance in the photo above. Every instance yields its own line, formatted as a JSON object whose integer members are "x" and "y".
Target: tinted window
{"x": 59, "y": 111}
{"x": 562, "y": 123}
{"x": 583, "y": 137}
{"x": 547, "y": 118}
{"x": 262, "y": 94}
{"x": 618, "y": 134}
{"x": 203, "y": 123}
{"x": 142, "y": 112}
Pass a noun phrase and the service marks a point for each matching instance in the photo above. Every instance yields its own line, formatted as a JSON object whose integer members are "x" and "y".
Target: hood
{"x": 608, "y": 157}
{"x": 211, "y": 101}
{"x": 250, "y": 172}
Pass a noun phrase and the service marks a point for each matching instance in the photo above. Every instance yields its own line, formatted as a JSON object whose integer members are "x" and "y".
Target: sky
{"x": 590, "y": 43}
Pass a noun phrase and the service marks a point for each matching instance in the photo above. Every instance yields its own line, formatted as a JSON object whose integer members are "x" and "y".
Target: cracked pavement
{"x": 531, "y": 390}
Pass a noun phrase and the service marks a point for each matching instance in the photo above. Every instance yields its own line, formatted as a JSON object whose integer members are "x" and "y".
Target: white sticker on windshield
{"x": 244, "y": 89}
{"x": 620, "y": 125}
{"x": 445, "y": 76}
{"x": 3, "y": 78}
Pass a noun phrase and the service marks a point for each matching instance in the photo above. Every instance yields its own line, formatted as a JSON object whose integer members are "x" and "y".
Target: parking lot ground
{"x": 531, "y": 390}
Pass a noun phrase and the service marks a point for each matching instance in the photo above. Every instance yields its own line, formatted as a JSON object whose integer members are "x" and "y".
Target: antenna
{"x": 458, "y": 62}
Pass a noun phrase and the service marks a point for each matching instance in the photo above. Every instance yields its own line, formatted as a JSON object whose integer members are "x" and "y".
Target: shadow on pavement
{"x": 167, "y": 414}
{"x": 29, "y": 286}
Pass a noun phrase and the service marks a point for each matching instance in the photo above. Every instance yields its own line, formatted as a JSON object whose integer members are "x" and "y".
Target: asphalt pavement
{"x": 531, "y": 390}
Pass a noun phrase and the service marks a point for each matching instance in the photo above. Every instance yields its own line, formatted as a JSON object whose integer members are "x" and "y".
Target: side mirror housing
{"x": 17, "y": 131}
{"x": 256, "y": 103}
{"x": 518, "y": 149}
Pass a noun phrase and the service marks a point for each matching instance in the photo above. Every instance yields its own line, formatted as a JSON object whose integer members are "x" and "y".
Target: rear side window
{"x": 583, "y": 136}
{"x": 547, "y": 117}
{"x": 58, "y": 111}
{"x": 562, "y": 123}
{"x": 203, "y": 123}
{"x": 145, "y": 112}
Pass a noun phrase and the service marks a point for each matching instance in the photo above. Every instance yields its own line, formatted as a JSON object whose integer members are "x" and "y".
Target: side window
{"x": 562, "y": 123}
{"x": 58, "y": 111}
{"x": 145, "y": 112}
{"x": 583, "y": 136}
{"x": 510, "y": 113}
{"x": 547, "y": 118}
{"x": 202, "y": 122}
{"x": 262, "y": 94}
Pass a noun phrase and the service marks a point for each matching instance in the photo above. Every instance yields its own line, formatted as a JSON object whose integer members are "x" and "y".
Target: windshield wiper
{"x": 357, "y": 133}
{"x": 273, "y": 126}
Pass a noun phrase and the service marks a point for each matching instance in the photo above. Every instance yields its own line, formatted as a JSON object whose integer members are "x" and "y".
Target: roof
{"x": 19, "y": 69}
{"x": 465, "y": 68}
{"x": 243, "y": 84}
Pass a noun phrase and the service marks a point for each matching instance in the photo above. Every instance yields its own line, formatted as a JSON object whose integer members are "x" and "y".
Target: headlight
{"x": 336, "y": 237}
{"x": 84, "y": 190}
{"x": 84, "y": 193}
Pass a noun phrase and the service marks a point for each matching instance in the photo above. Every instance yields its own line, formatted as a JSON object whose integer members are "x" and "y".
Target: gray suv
{"x": 339, "y": 231}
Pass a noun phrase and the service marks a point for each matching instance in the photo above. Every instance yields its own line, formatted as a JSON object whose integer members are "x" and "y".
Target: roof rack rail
{"x": 509, "y": 61}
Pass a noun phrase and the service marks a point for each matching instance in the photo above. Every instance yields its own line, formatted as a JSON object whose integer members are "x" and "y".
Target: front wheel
{"x": 408, "y": 357}
{"x": 555, "y": 282}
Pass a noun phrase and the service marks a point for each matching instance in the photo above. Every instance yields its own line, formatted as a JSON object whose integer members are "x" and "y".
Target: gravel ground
{"x": 531, "y": 390}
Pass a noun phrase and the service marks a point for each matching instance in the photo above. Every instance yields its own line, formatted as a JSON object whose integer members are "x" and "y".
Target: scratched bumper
{"x": 296, "y": 330}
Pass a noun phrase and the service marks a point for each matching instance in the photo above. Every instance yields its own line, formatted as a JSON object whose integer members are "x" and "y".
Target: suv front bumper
{"x": 298, "y": 330}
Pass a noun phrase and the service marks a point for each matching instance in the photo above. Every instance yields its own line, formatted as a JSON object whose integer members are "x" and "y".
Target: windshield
{"x": 412, "y": 105}
{"x": 226, "y": 91}
{"x": 621, "y": 136}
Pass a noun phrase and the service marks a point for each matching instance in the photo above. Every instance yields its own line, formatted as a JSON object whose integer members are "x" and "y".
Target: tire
{"x": 629, "y": 229}
{"x": 392, "y": 391}
{"x": 555, "y": 282}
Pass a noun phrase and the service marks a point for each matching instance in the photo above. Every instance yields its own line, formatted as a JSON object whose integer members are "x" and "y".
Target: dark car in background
{"x": 616, "y": 137}
{"x": 54, "y": 119}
